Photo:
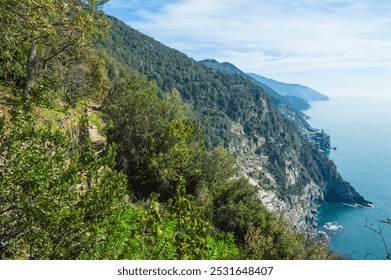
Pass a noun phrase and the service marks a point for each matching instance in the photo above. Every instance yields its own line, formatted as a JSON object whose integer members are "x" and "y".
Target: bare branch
{"x": 388, "y": 221}
{"x": 56, "y": 54}
{"x": 380, "y": 232}
{"x": 328, "y": 254}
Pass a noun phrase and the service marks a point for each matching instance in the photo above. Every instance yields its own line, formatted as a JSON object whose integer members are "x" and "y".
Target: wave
{"x": 356, "y": 205}
{"x": 334, "y": 226}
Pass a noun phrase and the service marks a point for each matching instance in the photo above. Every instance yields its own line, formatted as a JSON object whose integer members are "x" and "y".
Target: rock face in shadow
{"x": 338, "y": 190}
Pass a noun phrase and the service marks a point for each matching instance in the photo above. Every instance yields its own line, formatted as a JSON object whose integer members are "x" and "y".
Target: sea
{"x": 360, "y": 131}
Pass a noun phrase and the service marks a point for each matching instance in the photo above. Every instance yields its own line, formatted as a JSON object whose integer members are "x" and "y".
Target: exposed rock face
{"x": 341, "y": 191}
{"x": 261, "y": 130}
{"x": 319, "y": 138}
{"x": 300, "y": 208}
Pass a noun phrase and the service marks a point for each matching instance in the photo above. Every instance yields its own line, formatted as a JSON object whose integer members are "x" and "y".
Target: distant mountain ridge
{"x": 296, "y": 90}
{"x": 295, "y": 104}
{"x": 222, "y": 66}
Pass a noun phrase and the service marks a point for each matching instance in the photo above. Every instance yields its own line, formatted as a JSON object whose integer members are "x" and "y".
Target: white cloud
{"x": 275, "y": 37}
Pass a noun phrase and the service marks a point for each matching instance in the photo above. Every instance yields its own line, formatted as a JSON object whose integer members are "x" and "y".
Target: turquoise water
{"x": 360, "y": 129}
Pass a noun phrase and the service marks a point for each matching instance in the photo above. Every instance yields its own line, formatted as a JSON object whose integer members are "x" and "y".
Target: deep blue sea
{"x": 360, "y": 129}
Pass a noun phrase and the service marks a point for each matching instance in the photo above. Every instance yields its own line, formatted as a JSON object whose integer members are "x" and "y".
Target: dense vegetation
{"x": 220, "y": 99}
{"x": 293, "y": 104}
{"x": 163, "y": 188}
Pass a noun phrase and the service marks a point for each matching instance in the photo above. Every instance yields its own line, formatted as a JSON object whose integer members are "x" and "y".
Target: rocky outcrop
{"x": 337, "y": 190}
{"x": 300, "y": 208}
{"x": 319, "y": 138}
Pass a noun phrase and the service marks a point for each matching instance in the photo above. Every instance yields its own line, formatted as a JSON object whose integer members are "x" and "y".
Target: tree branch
{"x": 56, "y": 54}
{"x": 8, "y": 209}
{"x": 380, "y": 232}
{"x": 387, "y": 222}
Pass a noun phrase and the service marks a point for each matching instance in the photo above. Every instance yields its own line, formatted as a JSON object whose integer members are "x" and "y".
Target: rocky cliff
{"x": 291, "y": 107}
{"x": 300, "y": 202}
{"x": 294, "y": 178}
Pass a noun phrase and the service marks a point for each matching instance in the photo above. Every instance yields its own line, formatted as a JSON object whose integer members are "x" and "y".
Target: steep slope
{"x": 296, "y": 90}
{"x": 287, "y": 102}
{"x": 289, "y": 106}
{"x": 292, "y": 175}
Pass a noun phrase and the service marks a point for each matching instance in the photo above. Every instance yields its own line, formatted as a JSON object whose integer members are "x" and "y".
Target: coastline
{"x": 358, "y": 128}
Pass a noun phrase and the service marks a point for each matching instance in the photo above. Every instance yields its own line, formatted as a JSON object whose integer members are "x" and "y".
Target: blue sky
{"x": 336, "y": 47}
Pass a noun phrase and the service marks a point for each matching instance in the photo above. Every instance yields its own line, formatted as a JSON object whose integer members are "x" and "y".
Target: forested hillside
{"x": 293, "y": 104}
{"x": 170, "y": 181}
{"x": 235, "y": 113}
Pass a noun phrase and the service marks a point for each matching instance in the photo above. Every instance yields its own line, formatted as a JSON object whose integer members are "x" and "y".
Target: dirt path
{"x": 98, "y": 141}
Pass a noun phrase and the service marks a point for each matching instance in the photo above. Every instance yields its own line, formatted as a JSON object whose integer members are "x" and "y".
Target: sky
{"x": 336, "y": 47}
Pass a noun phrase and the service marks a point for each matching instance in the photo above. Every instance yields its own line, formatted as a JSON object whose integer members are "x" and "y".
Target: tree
{"x": 192, "y": 229}
{"x": 53, "y": 199}
{"x": 158, "y": 139}
{"x": 236, "y": 205}
{"x": 43, "y": 29}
